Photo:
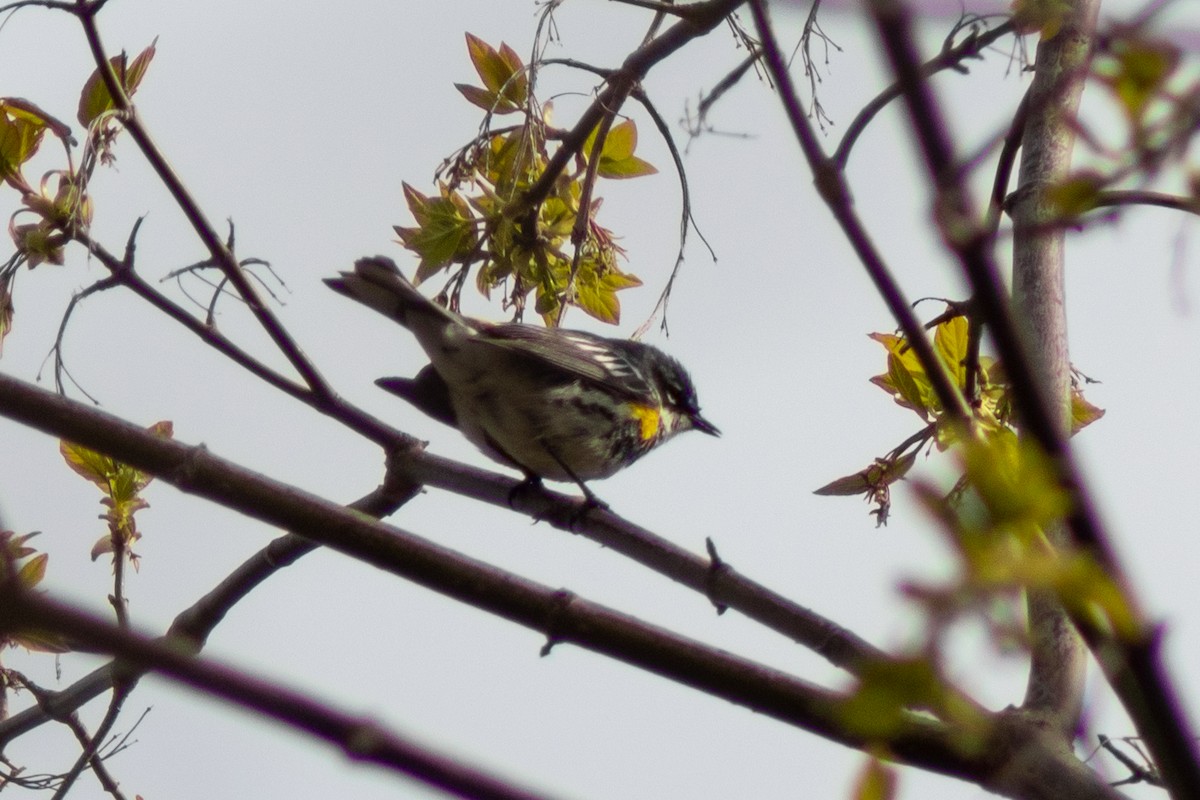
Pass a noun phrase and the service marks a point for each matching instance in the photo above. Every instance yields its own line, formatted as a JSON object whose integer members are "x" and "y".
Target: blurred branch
{"x": 1134, "y": 668}
{"x": 1058, "y": 658}
{"x": 562, "y": 616}
{"x": 357, "y": 737}
{"x": 1131, "y": 197}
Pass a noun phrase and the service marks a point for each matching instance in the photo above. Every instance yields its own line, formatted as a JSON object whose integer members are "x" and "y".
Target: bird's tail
{"x": 378, "y": 283}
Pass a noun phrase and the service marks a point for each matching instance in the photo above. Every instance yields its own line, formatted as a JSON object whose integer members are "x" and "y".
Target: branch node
{"x": 717, "y": 568}
{"x": 555, "y": 619}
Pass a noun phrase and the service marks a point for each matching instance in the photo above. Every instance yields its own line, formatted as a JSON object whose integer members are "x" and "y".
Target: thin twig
{"x": 207, "y": 234}
{"x": 951, "y": 57}
{"x": 831, "y": 185}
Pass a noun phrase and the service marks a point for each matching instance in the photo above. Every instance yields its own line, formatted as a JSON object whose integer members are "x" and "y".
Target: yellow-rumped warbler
{"x": 558, "y": 404}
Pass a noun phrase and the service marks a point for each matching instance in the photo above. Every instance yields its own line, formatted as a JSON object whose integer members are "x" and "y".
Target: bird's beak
{"x": 704, "y": 426}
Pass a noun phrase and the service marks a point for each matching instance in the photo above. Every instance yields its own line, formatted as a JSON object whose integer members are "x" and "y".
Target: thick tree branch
{"x": 358, "y": 737}
{"x": 1057, "y": 655}
{"x": 563, "y": 617}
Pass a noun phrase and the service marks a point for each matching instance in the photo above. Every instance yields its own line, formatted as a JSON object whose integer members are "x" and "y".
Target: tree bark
{"x": 1058, "y": 663}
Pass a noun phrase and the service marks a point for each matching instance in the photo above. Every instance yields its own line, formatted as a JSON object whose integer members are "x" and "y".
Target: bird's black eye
{"x": 680, "y": 394}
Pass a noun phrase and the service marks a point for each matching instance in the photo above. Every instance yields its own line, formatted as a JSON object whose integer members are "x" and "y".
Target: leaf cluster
{"x": 58, "y": 208}
{"x": 122, "y": 486}
{"x": 21, "y": 563}
{"x": 1159, "y": 105}
{"x": 479, "y": 216}
{"x": 908, "y": 383}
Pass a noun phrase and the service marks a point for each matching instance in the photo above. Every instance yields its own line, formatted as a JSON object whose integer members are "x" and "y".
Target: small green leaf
{"x": 620, "y": 142}
{"x": 20, "y": 135}
{"x": 486, "y": 100}
{"x": 119, "y": 481}
{"x": 6, "y": 309}
{"x": 502, "y": 73}
{"x": 95, "y": 99}
{"x": 950, "y": 342}
{"x": 886, "y": 690}
{"x": 1042, "y": 16}
{"x": 1075, "y": 195}
{"x": 33, "y": 571}
{"x": 848, "y": 486}
{"x": 39, "y": 642}
{"x": 877, "y": 781}
{"x": 882, "y": 473}
{"x": 89, "y": 464}
{"x": 445, "y": 230}
{"x": 1083, "y": 413}
{"x": 632, "y": 167}
{"x": 1139, "y": 71}
{"x": 617, "y": 159}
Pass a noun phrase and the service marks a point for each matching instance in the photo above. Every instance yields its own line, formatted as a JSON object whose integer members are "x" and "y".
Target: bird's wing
{"x": 583, "y": 355}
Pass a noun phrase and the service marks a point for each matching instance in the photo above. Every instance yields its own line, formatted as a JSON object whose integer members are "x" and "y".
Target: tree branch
{"x": 358, "y": 738}
{"x": 221, "y": 254}
{"x": 832, "y": 187}
{"x": 1133, "y": 667}
{"x": 1058, "y": 663}
{"x": 951, "y": 57}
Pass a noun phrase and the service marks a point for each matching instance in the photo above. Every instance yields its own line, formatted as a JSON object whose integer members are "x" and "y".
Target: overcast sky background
{"x": 300, "y": 126}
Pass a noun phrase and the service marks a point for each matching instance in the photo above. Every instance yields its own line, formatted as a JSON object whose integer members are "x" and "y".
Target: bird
{"x": 562, "y": 405}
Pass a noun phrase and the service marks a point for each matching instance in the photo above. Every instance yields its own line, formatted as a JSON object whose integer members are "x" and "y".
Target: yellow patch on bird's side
{"x": 649, "y": 418}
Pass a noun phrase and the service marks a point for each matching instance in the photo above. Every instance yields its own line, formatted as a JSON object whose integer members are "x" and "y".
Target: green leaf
{"x": 503, "y": 77}
{"x": 89, "y": 464}
{"x": 39, "y": 641}
{"x": 632, "y": 167}
{"x": 1141, "y": 70}
{"x": 620, "y": 142}
{"x": 617, "y": 159}
{"x": 905, "y": 379}
{"x": 1083, "y": 413}
{"x": 445, "y": 230}
{"x": 33, "y": 571}
{"x": 1015, "y": 480}
{"x": 119, "y": 481}
{"x": 20, "y": 135}
{"x": 6, "y": 309}
{"x": 847, "y": 486}
{"x": 486, "y": 100}
{"x": 1075, "y": 195}
{"x": 886, "y": 690}
{"x": 883, "y": 472}
{"x": 95, "y": 99}
{"x": 950, "y": 342}
{"x": 877, "y": 781}
{"x": 1043, "y": 16}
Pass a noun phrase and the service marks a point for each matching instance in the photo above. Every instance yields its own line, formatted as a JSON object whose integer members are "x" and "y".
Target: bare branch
{"x": 831, "y": 185}
{"x": 191, "y": 209}
{"x": 1134, "y": 668}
